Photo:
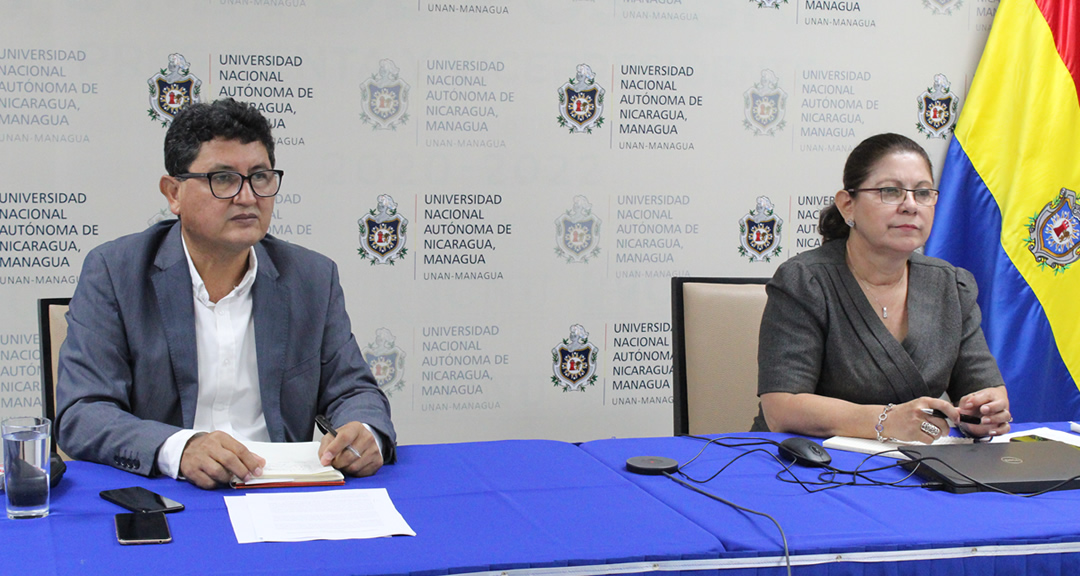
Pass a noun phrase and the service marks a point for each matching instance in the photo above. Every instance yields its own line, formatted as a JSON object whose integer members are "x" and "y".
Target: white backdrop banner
{"x": 507, "y": 186}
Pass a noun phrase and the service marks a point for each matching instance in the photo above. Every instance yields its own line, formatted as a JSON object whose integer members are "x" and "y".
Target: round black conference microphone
{"x": 651, "y": 465}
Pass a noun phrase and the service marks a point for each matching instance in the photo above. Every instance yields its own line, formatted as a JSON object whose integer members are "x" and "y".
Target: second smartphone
{"x": 143, "y": 528}
{"x": 139, "y": 499}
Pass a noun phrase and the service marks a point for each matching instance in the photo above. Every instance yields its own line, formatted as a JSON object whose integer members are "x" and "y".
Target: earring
{"x": 850, "y": 223}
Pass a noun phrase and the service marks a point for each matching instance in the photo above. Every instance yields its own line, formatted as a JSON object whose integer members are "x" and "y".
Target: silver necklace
{"x": 865, "y": 285}
{"x": 884, "y": 308}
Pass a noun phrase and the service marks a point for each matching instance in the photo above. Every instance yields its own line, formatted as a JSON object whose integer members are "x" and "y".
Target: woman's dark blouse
{"x": 820, "y": 334}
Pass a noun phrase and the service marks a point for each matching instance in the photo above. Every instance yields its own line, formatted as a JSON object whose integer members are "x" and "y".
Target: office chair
{"x": 714, "y": 325}
{"x": 52, "y": 326}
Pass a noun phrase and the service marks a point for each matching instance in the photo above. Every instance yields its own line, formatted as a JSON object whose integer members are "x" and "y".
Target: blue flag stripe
{"x": 967, "y": 233}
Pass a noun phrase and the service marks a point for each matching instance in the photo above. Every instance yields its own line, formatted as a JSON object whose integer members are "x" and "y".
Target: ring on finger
{"x": 930, "y": 429}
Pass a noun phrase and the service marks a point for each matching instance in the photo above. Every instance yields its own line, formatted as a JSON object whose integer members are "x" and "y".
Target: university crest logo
{"x": 937, "y": 109}
{"x": 574, "y": 361}
{"x": 171, "y": 89}
{"x": 764, "y": 105}
{"x": 759, "y": 232}
{"x": 386, "y": 360}
{"x": 162, "y": 215}
{"x": 383, "y": 233}
{"x": 945, "y": 7}
{"x": 577, "y": 233}
{"x": 581, "y": 102}
{"x": 769, "y": 3}
{"x": 1054, "y": 233}
{"x": 385, "y": 98}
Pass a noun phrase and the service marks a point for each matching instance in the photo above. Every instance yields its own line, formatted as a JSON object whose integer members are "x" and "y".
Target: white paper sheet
{"x": 1048, "y": 433}
{"x": 326, "y": 515}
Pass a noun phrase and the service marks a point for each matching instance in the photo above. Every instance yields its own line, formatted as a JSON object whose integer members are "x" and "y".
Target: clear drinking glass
{"x": 26, "y": 466}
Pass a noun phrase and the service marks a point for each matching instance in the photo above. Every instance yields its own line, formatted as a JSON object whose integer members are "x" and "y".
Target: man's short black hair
{"x": 198, "y": 123}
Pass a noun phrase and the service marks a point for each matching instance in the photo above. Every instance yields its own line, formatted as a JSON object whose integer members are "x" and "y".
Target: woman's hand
{"x": 909, "y": 421}
{"x": 990, "y": 404}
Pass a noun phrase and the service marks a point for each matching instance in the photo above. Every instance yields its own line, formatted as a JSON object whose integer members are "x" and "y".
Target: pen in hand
{"x": 327, "y": 428}
{"x": 963, "y": 417}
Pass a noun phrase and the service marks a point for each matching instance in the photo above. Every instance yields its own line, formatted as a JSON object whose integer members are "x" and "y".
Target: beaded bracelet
{"x": 880, "y": 426}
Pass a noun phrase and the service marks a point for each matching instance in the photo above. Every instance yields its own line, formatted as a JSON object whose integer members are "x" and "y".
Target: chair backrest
{"x": 715, "y": 324}
{"x": 52, "y": 325}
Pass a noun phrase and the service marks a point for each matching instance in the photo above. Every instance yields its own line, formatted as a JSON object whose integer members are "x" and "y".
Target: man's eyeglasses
{"x": 226, "y": 184}
{"x": 894, "y": 195}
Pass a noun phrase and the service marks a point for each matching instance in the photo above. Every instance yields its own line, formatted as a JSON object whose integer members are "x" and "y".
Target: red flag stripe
{"x": 1063, "y": 16}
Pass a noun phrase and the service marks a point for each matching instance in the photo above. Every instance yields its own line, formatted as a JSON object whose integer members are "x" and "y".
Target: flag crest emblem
{"x": 1054, "y": 233}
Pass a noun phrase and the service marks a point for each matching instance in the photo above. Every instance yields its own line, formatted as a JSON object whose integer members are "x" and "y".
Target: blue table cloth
{"x": 475, "y": 507}
{"x": 885, "y": 528}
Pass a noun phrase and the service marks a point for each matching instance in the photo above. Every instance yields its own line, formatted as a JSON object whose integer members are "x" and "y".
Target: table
{"x": 868, "y": 529}
{"x": 558, "y": 509}
{"x": 476, "y": 507}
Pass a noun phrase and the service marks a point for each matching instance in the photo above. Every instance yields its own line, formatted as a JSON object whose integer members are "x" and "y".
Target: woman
{"x": 863, "y": 336}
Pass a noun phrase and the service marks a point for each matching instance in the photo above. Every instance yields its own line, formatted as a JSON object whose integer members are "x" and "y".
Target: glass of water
{"x": 26, "y": 466}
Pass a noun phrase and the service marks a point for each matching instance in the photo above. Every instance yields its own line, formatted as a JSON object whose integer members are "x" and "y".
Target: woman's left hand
{"x": 992, "y": 406}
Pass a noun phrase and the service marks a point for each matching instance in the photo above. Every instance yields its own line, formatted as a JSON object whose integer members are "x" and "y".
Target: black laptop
{"x": 1018, "y": 467}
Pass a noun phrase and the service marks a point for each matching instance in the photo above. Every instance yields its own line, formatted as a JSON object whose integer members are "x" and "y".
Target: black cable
{"x": 743, "y": 442}
{"x": 824, "y": 483}
{"x": 874, "y": 482}
{"x": 724, "y": 467}
{"x": 717, "y": 441}
{"x": 751, "y": 441}
{"x": 783, "y": 537}
{"x": 856, "y": 473}
{"x": 827, "y": 484}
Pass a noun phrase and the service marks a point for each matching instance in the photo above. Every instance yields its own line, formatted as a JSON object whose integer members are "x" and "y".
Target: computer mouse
{"x": 804, "y": 451}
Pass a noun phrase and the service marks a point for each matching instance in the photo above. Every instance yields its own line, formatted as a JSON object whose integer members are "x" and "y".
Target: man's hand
{"x": 212, "y": 459}
{"x": 334, "y": 450}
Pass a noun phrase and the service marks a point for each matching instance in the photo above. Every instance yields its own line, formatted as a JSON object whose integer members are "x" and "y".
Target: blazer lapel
{"x": 269, "y": 303}
{"x": 888, "y": 353}
{"x": 172, "y": 286}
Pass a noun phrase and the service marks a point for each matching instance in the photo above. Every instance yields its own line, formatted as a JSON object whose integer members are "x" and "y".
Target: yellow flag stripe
{"x": 1021, "y": 131}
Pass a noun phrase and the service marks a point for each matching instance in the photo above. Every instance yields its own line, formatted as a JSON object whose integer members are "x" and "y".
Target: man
{"x": 201, "y": 331}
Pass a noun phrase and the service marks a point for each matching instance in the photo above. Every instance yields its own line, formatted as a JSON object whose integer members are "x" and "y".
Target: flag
{"x": 1008, "y": 210}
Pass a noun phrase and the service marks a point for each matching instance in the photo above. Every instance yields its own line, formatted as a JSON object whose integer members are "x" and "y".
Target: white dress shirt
{"x": 229, "y": 397}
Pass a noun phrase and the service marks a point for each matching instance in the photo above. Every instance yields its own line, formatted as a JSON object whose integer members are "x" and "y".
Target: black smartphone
{"x": 965, "y": 418}
{"x": 139, "y": 499}
{"x": 142, "y": 528}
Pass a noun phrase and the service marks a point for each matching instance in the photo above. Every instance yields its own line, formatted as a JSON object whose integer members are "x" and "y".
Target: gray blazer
{"x": 128, "y": 376}
{"x": 819, "y": 334}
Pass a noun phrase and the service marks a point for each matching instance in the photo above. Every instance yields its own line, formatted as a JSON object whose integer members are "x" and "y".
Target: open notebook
{"x": 290, "y": 464}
